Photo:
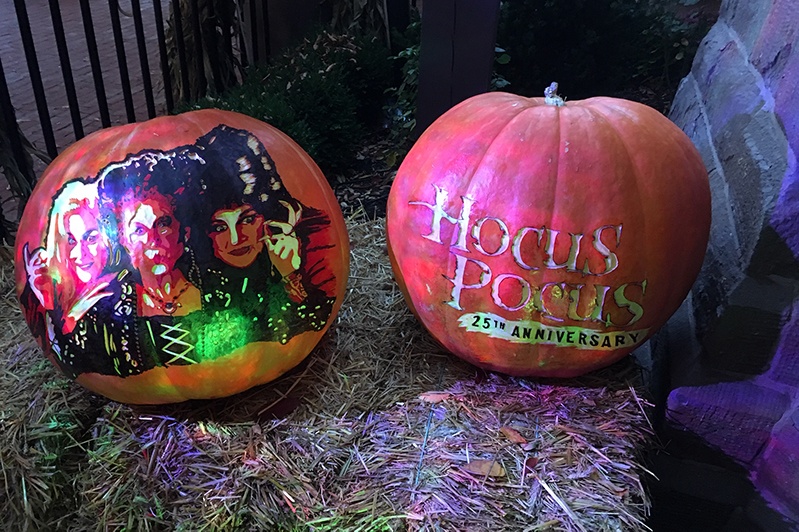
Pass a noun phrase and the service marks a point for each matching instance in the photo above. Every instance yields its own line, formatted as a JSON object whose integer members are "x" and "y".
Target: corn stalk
{"x": 361, "y": 17}
{"x": 220, "y": 22}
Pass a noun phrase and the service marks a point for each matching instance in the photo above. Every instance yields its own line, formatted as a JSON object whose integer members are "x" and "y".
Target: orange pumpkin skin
{"x": 230, "y": 350}
{"x": 543, "y": 240}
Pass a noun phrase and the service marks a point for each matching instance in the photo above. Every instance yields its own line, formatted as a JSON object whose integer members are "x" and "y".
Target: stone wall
{"x": 729, "y": 358}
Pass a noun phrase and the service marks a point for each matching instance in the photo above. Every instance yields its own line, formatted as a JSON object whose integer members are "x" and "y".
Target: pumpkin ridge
{"x": 502, "y": 130}
{"x": 559, "y": 110}
{"x": 667, "y": 129}
{"x": 611, "y": 126}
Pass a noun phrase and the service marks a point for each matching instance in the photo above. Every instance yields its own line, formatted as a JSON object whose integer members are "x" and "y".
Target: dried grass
{"x": 379, "y": 429}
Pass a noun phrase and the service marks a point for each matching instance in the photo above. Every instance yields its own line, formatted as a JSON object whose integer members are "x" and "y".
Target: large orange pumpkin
{"x": 543, "y": 239}
{"x": 191, "y": 256}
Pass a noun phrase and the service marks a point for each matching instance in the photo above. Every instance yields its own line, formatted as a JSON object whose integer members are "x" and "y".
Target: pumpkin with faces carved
{"x": 191, "y": 256}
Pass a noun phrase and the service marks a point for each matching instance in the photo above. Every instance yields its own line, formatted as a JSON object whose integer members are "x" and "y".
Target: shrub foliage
{"x": 326, "y": 93}
{"x": 594, "y": 47}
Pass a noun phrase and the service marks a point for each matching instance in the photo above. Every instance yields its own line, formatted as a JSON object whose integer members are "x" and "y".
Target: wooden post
{"x": 457, "y": 55}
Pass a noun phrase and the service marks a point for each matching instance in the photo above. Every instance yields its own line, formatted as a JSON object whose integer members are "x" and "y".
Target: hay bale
{"x": 379, "y": 429}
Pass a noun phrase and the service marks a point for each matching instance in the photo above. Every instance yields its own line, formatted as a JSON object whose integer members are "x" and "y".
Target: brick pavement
{"x": 18, "y": 78}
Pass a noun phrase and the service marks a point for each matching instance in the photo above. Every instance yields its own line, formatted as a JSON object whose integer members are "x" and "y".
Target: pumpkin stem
{"x": 551, "y": 95}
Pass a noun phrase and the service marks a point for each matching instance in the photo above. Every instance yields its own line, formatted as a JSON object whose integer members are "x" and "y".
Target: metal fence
{"x": 107, "y": 62}
{"x": 183, "y": 31}
{"x": 69, "y": 67}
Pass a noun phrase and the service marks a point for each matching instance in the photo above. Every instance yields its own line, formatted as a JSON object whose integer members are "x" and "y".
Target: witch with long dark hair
{"x": 255, "y": 242}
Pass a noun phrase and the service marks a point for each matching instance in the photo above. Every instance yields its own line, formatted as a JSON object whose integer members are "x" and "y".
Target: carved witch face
{"x": 237, "y": 234}
{"x": 86, "y": 249}
{"x": 151, "y": 234}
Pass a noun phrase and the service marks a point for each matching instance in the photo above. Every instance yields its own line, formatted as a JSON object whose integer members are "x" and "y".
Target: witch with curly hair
{"x": 144, "y": 209}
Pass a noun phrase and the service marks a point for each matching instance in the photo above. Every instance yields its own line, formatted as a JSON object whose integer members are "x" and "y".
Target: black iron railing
{"x": 182, "y": 30}
{"x": 36, "y": 77}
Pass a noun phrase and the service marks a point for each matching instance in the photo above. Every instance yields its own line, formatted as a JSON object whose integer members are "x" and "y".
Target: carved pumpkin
{"x": 192, "y": 256}
{"x": 542, "y": 239}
